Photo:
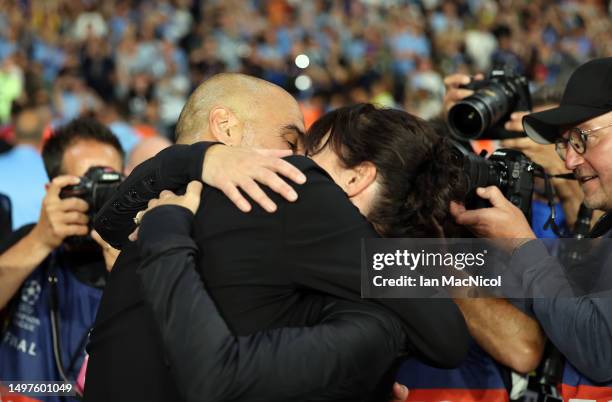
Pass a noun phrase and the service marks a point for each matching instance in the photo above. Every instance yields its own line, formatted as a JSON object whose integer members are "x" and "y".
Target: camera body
{"x": 96, "y": 187}
{"x": 509, "y": 170}
{"x": 483, "y": 114}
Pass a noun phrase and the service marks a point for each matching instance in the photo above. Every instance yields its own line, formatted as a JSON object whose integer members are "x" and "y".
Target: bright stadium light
{"x": 302, "y": 61}
{"x": 303, "y": 82}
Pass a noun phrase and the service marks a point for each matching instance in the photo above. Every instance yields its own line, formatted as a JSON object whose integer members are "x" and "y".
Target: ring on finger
{"x": 138, "y": 217}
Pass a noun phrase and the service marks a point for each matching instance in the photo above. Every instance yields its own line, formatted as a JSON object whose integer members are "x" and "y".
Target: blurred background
{"x": 132, "y": 64}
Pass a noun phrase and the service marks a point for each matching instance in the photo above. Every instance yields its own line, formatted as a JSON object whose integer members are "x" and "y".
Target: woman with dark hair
{"x": 293, "y": 268}
{"x": 415, "y": 171}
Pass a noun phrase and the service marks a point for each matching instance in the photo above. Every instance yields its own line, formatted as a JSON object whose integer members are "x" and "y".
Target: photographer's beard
{"x": 593, "y": 168}
{"x": 596, "y": 186}
{"x": 595, "y": 196}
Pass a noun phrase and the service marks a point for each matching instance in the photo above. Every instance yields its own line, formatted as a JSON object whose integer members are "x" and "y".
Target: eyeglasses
{"x": 577, "y": 138}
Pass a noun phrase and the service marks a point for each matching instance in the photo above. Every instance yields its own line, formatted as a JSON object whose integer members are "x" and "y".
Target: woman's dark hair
{"x": 417, "y": 168}
{"x": 65, "y": 136}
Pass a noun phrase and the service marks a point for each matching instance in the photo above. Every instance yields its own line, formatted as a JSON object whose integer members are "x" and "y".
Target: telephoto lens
{"x": 483, "y": 114}
{"x": 472, "y": 116}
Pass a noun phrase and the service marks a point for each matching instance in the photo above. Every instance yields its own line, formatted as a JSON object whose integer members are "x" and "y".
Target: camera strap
{"x": 54, "y": 318}
{"x": 603, "y": 226}
{"x": 566, "y": 176}
{"x": 549, "y": 193}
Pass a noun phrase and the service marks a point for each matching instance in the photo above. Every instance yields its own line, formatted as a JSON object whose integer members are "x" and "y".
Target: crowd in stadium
{"x": 354, "y": 95}
{"x": 134, "y": 63}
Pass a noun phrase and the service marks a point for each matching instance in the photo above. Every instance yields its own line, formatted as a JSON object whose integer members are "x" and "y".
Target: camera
{"x": 508, "y": 169}
{"x": 483, "y": 114}
{"x": 96, "y": 187}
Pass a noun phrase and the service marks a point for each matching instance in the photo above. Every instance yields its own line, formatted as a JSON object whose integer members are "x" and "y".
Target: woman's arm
{"x": 171, "y": 169}
{"x": 209, "y": 363}
{"x": 224, "y": 168}
{"x": 321, "y": 236}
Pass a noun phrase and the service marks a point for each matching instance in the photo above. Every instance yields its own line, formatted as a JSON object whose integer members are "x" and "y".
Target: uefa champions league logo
{"x": 31, "y": 292}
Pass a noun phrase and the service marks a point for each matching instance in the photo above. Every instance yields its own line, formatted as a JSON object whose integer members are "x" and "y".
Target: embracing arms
{"x": 209, "y": 362}
{"x": 176, "y": 166}
{"x": 325, "y": 255}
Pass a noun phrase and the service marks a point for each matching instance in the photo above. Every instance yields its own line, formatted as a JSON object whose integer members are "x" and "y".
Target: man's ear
{"x": 223, "y": 126}
{"x": 360, "y": 178}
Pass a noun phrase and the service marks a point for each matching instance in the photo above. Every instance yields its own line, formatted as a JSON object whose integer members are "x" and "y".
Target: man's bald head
{"x": 145, "y": 149}
{"x": 29, "y": 127}
{"x": 232, "y": 101}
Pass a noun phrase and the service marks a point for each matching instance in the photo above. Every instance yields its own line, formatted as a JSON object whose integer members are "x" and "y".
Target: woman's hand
{"x": 232, "y": 168}
{"x": 190, "y": 200}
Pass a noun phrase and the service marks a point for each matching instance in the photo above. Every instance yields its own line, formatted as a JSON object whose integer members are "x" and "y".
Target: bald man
{"x": 229, "y": 108}
{"x": 144, "y": 150}
{"x": 238, "y": 109}
{"x": 125, "y": 347}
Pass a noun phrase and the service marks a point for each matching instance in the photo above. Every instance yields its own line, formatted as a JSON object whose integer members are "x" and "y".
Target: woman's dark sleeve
{"x": 321, "y": 237}
{"x": 171, "y": 169}
{"x": 349, "y": 350}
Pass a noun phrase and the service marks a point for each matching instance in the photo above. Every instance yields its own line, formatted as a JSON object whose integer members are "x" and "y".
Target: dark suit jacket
{"x": 258, "y": 268}
{"x": 257, "y": 265}
{"x": 209, "y": 363}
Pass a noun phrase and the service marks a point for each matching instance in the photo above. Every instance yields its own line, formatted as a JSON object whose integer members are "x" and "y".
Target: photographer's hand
{"x": 454, "y": 93}
{"x": 543, "y": 155}
{"x": 515, "y": 123}
{"x": 502, "y": 221}
{"x": 230, "y": 168}
{"x": 60, "y": 218}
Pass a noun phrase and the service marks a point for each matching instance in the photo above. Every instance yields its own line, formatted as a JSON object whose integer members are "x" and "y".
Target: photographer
{"x": 506, "y": 337}
{"x": 580, "y": 128}
{"x": 54, "y": 266}
{"x": 568, "y": 193}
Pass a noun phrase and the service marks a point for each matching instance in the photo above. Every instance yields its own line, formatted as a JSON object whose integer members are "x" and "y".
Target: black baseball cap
{"x": 588, "y": 94}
